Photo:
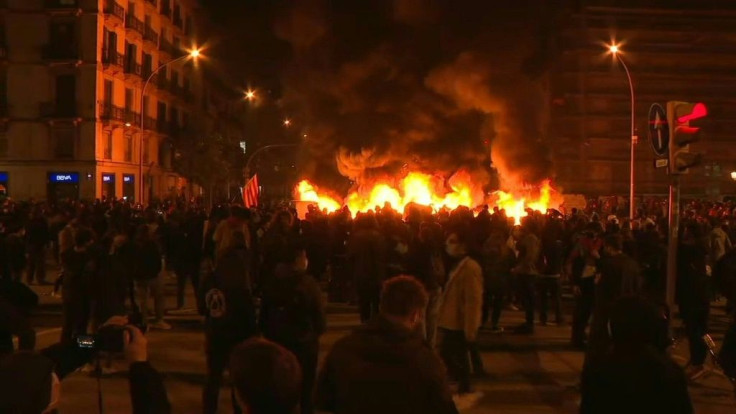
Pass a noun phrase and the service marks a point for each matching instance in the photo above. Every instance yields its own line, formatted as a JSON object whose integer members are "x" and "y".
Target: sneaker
{"x": 497, "y": 330}
{"x": 467, "y": 400}
{"x": 160, "y": 325}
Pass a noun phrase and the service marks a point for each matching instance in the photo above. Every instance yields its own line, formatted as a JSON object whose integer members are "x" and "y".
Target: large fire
{"x": 434, "y": 191}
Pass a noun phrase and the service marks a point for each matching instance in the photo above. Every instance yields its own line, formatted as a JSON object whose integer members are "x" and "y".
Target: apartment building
{"x": 74, "y": 121}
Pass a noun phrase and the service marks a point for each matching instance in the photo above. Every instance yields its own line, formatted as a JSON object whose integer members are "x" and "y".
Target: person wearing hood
{"x": 292, "y": 315}
{"x": 368, "y": 371}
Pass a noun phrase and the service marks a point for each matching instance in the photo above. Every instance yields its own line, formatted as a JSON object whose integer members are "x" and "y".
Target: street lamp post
{"x": 616, "y": 53}
{"x": 192, "y": 54}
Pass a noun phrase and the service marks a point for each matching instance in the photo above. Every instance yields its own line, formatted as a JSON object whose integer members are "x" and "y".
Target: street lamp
{"x": 287, "y": 122}
{"x": 616, "y": 52}
{"x": 193, "y": 54}
{"x": 250, "y": 95}
{"x": 733, "y": 175}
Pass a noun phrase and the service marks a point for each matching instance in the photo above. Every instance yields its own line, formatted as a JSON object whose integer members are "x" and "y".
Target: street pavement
{"x": 537, "y": 373}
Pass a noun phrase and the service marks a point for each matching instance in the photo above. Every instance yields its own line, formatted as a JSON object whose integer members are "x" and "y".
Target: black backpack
{"x": 287, "y": 316}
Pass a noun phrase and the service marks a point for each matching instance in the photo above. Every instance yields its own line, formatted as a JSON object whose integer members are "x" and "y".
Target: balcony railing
{"x": 62, "y": 4}
{"x": 111, "y": 112}
{"x": 149, "y": 123}
{"x": 165, "y": 46}
{"x": 114, "y": 9}
{"x": 150, "y": 35}
{"x": 132, "y": 68}
{"x": 134, "y": 23}
{"x": 112, "y": 57}
{"x": 132, "y": 118}
{"x": 163, "y": 83}
{"x": 61, "y": 52}
{"x": 58, "y": 109}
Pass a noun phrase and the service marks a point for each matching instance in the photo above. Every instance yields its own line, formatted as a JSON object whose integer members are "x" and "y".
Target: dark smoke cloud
{"x": 386, "y": 86}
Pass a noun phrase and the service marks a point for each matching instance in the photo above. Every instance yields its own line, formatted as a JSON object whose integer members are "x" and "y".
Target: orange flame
{"x": 433, "y": 191}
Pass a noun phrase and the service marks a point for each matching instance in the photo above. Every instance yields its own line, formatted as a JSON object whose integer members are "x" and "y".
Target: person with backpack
{"x": 230, "y": 319}
{"x": 292, "y": 315}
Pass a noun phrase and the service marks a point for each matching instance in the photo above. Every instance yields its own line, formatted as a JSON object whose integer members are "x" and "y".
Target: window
{"x": 145, "y": 150}
{"x": 131, "y": 55}
{"x": 128, "y": 148}
{"x": 64, "y": 143}
{"x": 107, "y": 145}
{"x": 146, "y": 103}
{"x": 107, "y": 92}
{"x": 128, "y": 100}
{"x": 147, "y": 64}
{"x": 66, "y": 94}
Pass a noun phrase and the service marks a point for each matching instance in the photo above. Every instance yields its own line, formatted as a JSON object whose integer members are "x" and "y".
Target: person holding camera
{"x": 30, "y": 382}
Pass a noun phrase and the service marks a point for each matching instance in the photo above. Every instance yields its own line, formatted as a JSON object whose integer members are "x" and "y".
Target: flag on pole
{"x": 251, "y": 192}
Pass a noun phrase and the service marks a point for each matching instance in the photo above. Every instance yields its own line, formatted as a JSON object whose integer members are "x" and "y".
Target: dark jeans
{"x": 36, "y": 264}
{"x": 454, "y": 351}
{"x": 476, "y": 360}
{"x": 184, "y": 273}
{"x": 368, "y": 299}
{"x": 527, "y": 289}
{"x": 696, "y": 325}
{"x": 218, "y": 356}
{"x": 493, "y": 299}
{"x": 76, "y": 311}
{"x": 306, "y": 354}
{"x": 549, "y": 290}
{"x": 583, "y": 309}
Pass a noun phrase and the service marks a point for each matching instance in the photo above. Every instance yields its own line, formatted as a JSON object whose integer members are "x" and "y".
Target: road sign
{"x": 661, "y": 162}
{"x": 658, "y": 129}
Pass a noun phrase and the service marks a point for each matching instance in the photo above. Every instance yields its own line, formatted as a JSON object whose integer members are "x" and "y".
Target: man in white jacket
{"x": 460, "y": 311}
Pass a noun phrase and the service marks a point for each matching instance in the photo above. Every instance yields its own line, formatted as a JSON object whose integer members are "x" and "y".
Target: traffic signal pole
{"x": 673, "y": 241}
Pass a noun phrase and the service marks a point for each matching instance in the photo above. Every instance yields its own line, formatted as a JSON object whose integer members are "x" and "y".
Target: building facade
{"x": 74, "y": 121}
{"x": 676, "y": 51}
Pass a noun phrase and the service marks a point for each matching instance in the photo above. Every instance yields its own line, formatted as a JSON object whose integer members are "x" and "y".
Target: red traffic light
{"x": 699, "y": 110}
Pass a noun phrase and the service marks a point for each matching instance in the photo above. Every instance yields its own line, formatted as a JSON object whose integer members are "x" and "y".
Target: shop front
{"x": 62, "y": 185}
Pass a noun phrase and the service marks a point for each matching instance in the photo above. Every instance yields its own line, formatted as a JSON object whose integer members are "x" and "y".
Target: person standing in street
{"x": 385, "y": 366}
{"x": 229, "y": 316}
{"x": 583, "y": 266}
{"x": 292, "y": 315}
{"x": 366, "y": 255}
{"x": 80, "y": 265}
{"x": 460, "y": 310}
{"x": 37, "y": 239}
{"x": 526, "y": 272}
{"x": 148, "y": 277}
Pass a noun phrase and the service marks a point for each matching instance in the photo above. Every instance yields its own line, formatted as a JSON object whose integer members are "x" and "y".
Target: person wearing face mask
{"x": 292, "y": 315}
{"x": 460, "y": 310}
{"x": 369, "y": 371}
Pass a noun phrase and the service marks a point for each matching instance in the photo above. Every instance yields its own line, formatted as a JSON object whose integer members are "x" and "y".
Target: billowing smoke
{"x": 432, "y": 85}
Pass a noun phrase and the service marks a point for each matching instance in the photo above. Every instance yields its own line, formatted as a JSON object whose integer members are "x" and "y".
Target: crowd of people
{"x": 426, "y": 285}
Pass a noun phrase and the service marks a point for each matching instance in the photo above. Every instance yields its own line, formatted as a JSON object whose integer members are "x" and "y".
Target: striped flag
{"x": 251, "y": 192}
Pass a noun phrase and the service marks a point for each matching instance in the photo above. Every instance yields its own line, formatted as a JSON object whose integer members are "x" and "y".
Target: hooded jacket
{"x": 383, "y": 368}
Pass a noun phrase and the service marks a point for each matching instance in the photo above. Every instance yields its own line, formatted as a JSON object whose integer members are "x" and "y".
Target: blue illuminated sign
{"x": 128, "y": 178}
{"x": 108, "y": 178}
{"x": 3, "y": 177}
{"x": 64, "y": 177}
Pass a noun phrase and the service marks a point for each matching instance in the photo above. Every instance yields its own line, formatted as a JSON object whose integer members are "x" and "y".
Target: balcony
{"x": 133, "y": 24}
{"x": 112, "y": 58}
{"x": 151, "y": 77}
{"x": 114, "y": 10}
{"x": 149, "y": 123}
{"x": 64, "y": 6}
{"x": 61, "y": 53}
{"x": 109, "y": 112}
{"x": 166, "y": 46}
{"x": 132, "y": 118}
{"x": 150, "y": 35}
{"x": 132, "y": 68}
{"x": 58, "y": 110}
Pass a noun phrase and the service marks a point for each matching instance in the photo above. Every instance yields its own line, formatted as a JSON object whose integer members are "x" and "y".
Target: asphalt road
{"x": 528, "y": 374}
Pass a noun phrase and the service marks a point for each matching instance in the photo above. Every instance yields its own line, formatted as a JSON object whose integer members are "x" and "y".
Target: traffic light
{"x": 679, "y": 115}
